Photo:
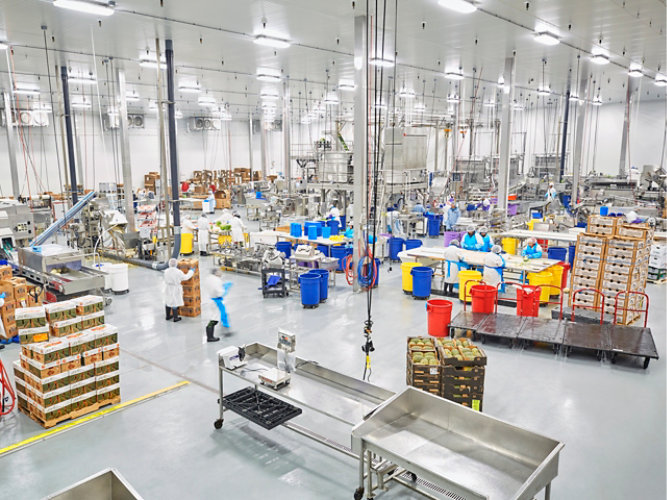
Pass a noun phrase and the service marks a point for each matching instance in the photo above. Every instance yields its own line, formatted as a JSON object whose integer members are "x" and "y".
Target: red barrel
{"x": 528, "y": 301}
{"x": 566, "y": 268}
{"x": 483, "y": 298}
{"x": 439, "y": 314}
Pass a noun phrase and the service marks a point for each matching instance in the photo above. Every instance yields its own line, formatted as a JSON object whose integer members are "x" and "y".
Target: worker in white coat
{"x": 215, "y": 289}
{"x": 203, "y": 227}
{"x": 453, "y": 264}
{"x": 225, "y": 217}
{"x": 173, "y": 290}
{"x": 349, "y": 214}
{"x": 187, "y": 226}
{"x": 238, "y": 228}
{"x": 334, "y": 213}
{"x": 494, "y": 263}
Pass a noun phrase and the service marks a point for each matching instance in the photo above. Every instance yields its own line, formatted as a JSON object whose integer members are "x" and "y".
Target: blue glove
{"x": 192, "y": 269}
{"x": 2, "y": 295}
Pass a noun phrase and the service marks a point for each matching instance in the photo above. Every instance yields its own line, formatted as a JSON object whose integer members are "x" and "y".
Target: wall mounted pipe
{"x": 70, "y": 137}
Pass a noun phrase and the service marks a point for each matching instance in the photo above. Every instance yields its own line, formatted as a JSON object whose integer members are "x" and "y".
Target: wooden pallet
{"x": 73, "y": 415}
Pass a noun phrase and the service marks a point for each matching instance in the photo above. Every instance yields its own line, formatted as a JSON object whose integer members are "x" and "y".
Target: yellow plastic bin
{"x": 543, "y": 278}
{"x": 510, "y": 245}
{"x": 187, "y": 240}
{"x": 531, "y": 223}
{"x": 406, "y": 276}
{"x": 465, "y": 276}
{"x": 556, "y": 280}
{"x": 224, "y": 239}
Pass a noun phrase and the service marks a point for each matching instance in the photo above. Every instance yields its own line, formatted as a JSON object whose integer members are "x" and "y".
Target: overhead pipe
{"x": 563, "y": 148}
{"x": 70, "y": 137}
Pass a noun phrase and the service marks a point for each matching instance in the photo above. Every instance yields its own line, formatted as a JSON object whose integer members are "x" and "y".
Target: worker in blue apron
{"x": 494, "y": 263}
{"x": 472, "y": 240}
{"x": 453, "y": 264}
{"x": 217, "y": 290}
{"x": 487, "y": 242}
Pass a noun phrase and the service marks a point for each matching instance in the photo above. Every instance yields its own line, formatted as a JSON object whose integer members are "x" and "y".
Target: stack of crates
{"x": 588, "y": 260}
{"x": 657, "y": 265}
{"x": 423, "y": 369}
{"x": 191, "y": 289}
{"x": 463, "y": 367}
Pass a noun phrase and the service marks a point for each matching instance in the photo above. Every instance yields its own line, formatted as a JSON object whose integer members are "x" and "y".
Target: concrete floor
{"x": 610, "y": 417}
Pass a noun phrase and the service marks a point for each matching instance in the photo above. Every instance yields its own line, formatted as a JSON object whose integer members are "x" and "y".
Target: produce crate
{"x": 584, "y": 282}
{"x": 598, "y": 224}
{"x": 422, "y": 373}
{"x": 634, "y": 231}
{"x": 191, "y": 289}
{"x": 190, "y": 311}
{"x": 473, "y": 400}
{"x": 451, "y": 361}
{"x": 192, "y": 300}
{"x": 592, "y": 240}
{"x": 462, "y": 380}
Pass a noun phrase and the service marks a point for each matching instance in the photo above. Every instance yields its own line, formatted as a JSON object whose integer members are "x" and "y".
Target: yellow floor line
{"x": 90, "y": 417}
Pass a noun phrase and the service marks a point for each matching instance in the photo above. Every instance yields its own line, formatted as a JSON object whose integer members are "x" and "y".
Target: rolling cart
{"x": 277, "y": 290}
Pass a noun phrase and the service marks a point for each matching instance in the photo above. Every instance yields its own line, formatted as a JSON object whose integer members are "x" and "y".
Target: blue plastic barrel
{"x": 326, "y": 232}
{"x": 378, "y": 262}
{"x": 395, "y": 246}
{"x": 409, "y": 244}
{"x": 324, "y": 249}
{"x": 557, "y": 253}
{"x": 566, "y": 200}
{"x": 334, "y": 225}
{"x": 310, "y": 289}
{"x": 604, "y": 210}
{"x": 570, "y": 255}
{"x": 343, "y": 222}
{"x": 295, "y": 230}
{"x": 324, "y": 282}
{"x": 312, "y": 232}
{"x": 433, "y": 224}
{"x": 284, "y": 247}
{"x": 421, "y": 282}
{"x": 339, "y": 252}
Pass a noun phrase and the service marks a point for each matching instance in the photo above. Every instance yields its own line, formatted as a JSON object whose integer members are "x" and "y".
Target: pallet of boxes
{"x": 69, "y": 361}
{"x": 191, "y": 289}
{"x": 657, "y": 264}
{"x": 453, "y": 369}
{"x": 612, "y": 257}
{"x": 15, "y": 292}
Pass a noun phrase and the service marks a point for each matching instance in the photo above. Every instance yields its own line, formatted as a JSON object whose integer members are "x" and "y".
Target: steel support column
{"x": 250, "y": 153}
{"x": 11, "y": 146}
{"x": 173, "y": 153}
{"x": 287, "y": 162}
{"x": 125, "y": 160}
{"x": 262, "y": 147}
{"x": 70, "y": 136}
{"x": 582, "y": 93}
{"x": 631, "y": 88}
{"x": 507, "y": 97}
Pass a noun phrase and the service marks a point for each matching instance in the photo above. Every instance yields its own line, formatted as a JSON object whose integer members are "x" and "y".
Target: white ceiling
{"x": 213, "y": 45}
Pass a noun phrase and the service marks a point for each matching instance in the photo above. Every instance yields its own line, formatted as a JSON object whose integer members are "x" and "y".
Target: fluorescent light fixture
{"x": 597, "y": 101}
{"x": 82, "y": 80}
{"x": 331, "y": 99}
{"x": 660, "y": 80}
{"x": 189, "y": 89}
{"x": 268, "y": 75}
{"x": 453, "y": 99}
{"x": 29, "y": 91}
{"x": 269, "y": 96}
{"x": 460, "y": 6}
{"x": 546, "y": 38}
{"x": 42, "y": 106}
{"x": 574, "y": 98}
{"x": 454, "y": 75}
{"x": 599, "y": 59}
{"x": 80, "y": 104}
{"x": 381, "y": 62}
{"x": 420, "y": 106}
{"x": 406, "y": 93}
{"x": 501, "y": 81}
{"x": 544, "y": 90}
{"x": 132, "y": 96}
{"x": 152, "y": 62}
{"x": 4, "y": 45}
{"x": 272, "y": 41}
{"x": 635, "y": 72}
{"x": 206, "y": 101}
{"x": 517, "y": 107}
{"x": 305, "y": 120}
{"x": 87, "y": 6}
{"x": 346, "y": 85}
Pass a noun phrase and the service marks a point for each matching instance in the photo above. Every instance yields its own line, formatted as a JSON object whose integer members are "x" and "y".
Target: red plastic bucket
{"x": 528, "y": 301}
{"x": 566, "y": 268}
{"x": 439, "y": 314}
{"x": 483, "y": 298}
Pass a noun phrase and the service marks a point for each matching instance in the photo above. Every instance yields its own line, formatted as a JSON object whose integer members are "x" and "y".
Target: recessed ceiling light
{"x": 189, "y": 89}
{"x": 660, "y": 80}
{"x": 87, "y": 6}
{"x": 546, "y": 38}
{"x": 574, "y": 98}
{"x": 80, "y": 104}
{"x": 331, "y": 99}
{"x": 599, "y": 59}
{"x": 597, "y": 101}
{"x": 268, "y": 75}
{"x": 206, "y": 101}
{"x": 454, "y": 75}
{"x": 29, "y": 91}
{"x": 460, "y": 6}
{"x": 517, "y": 106}
{"x": 346, "y": 85}
{"x": 152, "y": 63}
{"x": 272, "y": 41}
{"x": 544, "y": 90}
{"x": 83, "y": 80}
{"x": 382, "y": 62}
{"x": 406, "y": 93}
{"x": 132, "y": 96}
{"x": 635, "y": 72}
{"x": 420, "y": 106}
{"x": 178, "y": 114}
{"x": 269, "y": 96}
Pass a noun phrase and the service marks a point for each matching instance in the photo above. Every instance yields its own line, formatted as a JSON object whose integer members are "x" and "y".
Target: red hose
{"x": 6, "y": 387}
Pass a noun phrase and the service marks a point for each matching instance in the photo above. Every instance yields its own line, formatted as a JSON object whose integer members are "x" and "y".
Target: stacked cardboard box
{"x": 62, "y": 375}
{"x": 223, "y": 198}
{"x": 149, "y": 180}
{"x": 191, "y": 289}
{"x": 16, "y": 295}
{"x": 657, "y": 264}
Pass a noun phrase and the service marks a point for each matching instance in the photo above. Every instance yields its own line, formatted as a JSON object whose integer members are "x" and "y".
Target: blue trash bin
{"x": 421, "y": 282}
{"x": 395, "y": 246}
{"x": 339, "y": 252}
{"x": 557, "y": 253}
{"x": 604, "y": 210}
{"x": 324, "y": 249}
{"x": 295, "y": 230}
{"x": 310, "y": 289}
{"x": 284, "y": 247}
{"x": 324, "y": 283}
{"x": 409, "y": 244}
{"x": 312, "y": 232}
{"x": 433, "y": 224}
{"x": 570, "y": 255}
{"x": 334, "y": 225}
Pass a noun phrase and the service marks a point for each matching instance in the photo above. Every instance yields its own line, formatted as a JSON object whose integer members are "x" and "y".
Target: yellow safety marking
{"x": 92, "y": 416}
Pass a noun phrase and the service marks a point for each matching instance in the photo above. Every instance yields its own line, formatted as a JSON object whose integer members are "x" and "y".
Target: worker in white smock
{"x": 203, "y": 228}
{"x": 173, "y": 290}
{"x": 216, "y": 290}
{"x": 494, "y": 263}
{"x": 453, "y": 264}
{"x": 225, "y": 217}
{"x": 238, "y": 228}
{"x": 334, "y": 213}
{"x": 349, "y": 213}
{"x": 551, "y": 198}
{"x": 187, "y": 226}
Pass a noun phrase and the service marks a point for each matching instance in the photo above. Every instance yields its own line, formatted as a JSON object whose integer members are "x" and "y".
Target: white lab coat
{"x": 491, "y": 275}
{"x": 552, "y": 194}
{"x": 203, "y": 228}
{"x": 212, "y": 288}
{"x": 238, "y": 229}
{"x": 173, "y": 290}
{"x": 453, "y": 260}
{"x": 187, "y": 227}
{"x": 334, "y": 214}
{"x": 225, "y": 217}
{"x": 349, "y": 213}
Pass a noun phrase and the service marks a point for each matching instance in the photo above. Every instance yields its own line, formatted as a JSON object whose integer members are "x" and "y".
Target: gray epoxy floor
{"x": 611, "y": 417}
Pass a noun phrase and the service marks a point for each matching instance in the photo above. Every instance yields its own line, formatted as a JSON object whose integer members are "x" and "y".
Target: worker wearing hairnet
{"x": 472, "y": 240}
{"x": 203, "y": 229}
{"x": 452, "y": 216}
{"x": 533, "y": 249}
{"x": 453, "y": 264}
{"x": 494, "y": 263}
{"x": 216, "y": 290}
{"x": 551, "y": 198}
{"x": 225, "y": 217}
{"x": 238, "y": 230}
{"x": 173, "y": 290}
{"x": 187, "y": 227}
{"x": 487, "y": 241}
{"x": 334, "y": 213}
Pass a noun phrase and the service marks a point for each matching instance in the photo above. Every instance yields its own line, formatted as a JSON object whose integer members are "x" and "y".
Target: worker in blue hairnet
{"x": 452, "y": 216}
{"x": 472, "y": 240}
{"x": 533, "y": 249}
{"x": 454, "y": 263}
{"x": 487, "y": 242}
{"x": 494, "y": 263}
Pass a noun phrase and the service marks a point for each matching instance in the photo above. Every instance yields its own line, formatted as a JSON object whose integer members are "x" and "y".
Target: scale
{"x": 286, "y": 357}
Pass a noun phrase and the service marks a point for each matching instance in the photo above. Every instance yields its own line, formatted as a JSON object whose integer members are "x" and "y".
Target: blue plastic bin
{"x": 312, "y": 232}
{"x": 310, "y": 289}
{"x": 326, "y": 232}
{"x": 324, "y": 282}
{"x": 284, "y": 247}
{"x": 557, "y": 253}
{"x": 295, "y": 230}
{"x": 409, "y": 244}
{"x": 570, "y": 255}
{"x": 421, "y": 282}
{"x": 324, "y": 249}
{"x": 395, "y": 246}
{"x": 334, "y": 225}
{"x": 339, "y": 252}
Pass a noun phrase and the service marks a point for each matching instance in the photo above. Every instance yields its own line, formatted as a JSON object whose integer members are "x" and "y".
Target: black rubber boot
{"x": 209, "y": 332}
{"x": 176, "y": 316}
{"x": 169, "y": 312}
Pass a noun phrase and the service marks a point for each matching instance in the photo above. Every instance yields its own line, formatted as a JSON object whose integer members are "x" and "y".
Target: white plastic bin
{"x": 119, "y": 278}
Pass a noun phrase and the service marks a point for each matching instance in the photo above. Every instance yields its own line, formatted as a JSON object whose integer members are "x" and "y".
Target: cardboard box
{"x": 30, "y": 317}
{"x": 107, "y": 366}
{"x": 88, "y": 304}
{"x": 5, "y": 272}
{"x": 65, "y": 327}
{"x": 33, "y": 335}
{"x": 190, "y": 312}
{"x": 93, "y": 356}
{"x": 19, "y": 371}
{"x": 84, "y": 401}
{"x": 20, "y": 387}
{"x": 8, "y": 308}
{"x": 8, "y": 289}
{"x": 109, "y": 394}
{"x": 60, "y": 311}
{"x": 40, "y": 370}
{"x": 92, "y": 320}
{"x": 105, "y": 335}
{"x": 110, "y": 351}
{"x": 84, "y": 386}
{"x": 48, "y": 352}
{"x": 55, "y": 412}
{"x": 70, "y": 363}
{"x": 10, "y": 331}
{"x": 36, "y": 295}
{"x": 80, "y": 342}
{"x": 51, "y": 398}
{"x": 47, "y": 384}
{"x": 192, "y": 301}
{"x": 107, "y": 379}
